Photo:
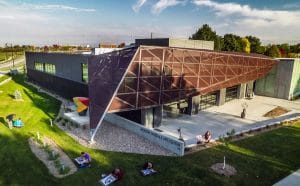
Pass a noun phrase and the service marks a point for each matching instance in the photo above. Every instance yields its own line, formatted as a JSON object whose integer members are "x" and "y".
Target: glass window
{"x": 39, "y": 66}
{"x": 50, "y": 68}
{"x": 84, "y": 68}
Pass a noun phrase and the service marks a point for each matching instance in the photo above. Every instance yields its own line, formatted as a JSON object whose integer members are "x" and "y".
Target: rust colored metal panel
{"x": 134, "y": 79}
{"x": 164, "y": 75}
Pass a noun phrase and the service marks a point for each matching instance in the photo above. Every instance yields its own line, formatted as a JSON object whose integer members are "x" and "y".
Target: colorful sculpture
{"x": 82, "y": 105}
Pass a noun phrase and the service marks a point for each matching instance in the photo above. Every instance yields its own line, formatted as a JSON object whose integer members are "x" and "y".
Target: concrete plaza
{"x": 222, "y": 119}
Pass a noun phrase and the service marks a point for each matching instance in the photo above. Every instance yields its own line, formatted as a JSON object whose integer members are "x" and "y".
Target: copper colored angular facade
{"x": 145, "y": 77}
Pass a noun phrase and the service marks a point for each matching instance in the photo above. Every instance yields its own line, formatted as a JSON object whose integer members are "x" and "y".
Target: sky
{"x": 81, "y": 22}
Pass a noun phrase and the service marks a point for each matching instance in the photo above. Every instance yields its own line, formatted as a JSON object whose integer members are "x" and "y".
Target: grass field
{"x": 4, "y": 77}
{"x": 3, "y": 55}
{"x": 260, "y": 160}
{"x": 19, "y": 66}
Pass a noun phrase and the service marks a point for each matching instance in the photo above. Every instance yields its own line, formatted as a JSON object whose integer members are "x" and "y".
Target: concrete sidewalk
{"x": 222, "y": 119}
{"x": 291, "y": 180}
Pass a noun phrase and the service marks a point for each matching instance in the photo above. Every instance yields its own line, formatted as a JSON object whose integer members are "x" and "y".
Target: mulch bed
{"x": 41, "y": 154}
{"x": 227, "y": 171}
{"x": 278, "y": 111}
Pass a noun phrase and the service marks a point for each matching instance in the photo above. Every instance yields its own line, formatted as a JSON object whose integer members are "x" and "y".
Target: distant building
{"x": 283, "y": 81}
{"x": 108, "y": 45}
{"x": 180, "y": 43}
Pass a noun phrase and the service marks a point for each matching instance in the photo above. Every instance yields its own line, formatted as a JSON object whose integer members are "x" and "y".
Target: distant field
{"x": 3, "y": 55}
{"x": 19, "y": 66}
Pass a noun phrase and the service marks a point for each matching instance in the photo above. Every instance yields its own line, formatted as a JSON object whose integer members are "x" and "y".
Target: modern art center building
{"x": 138, "y": 82}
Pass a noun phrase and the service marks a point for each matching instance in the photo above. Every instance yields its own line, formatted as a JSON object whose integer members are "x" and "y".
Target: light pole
{"x": 12, "y": 53}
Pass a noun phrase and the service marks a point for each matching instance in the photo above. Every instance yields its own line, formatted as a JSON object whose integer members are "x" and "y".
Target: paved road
{"x": 9, "y": 63}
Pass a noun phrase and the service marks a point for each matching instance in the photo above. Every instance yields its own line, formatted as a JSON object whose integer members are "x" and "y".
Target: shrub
{"x": 66, "y": 170}
{"x": 53, "y": 156}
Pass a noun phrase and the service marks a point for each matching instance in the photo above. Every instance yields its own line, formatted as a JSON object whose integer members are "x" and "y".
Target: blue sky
{"x": 92, "y": 21}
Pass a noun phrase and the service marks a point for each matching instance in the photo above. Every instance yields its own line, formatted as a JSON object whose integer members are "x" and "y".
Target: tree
{"x": 273, "y": 51}
{"x": 207, "y": 34}
{"x": 55, "y": 47}
{"x": 46, "y": 48}
{"x": 295, "y": 48}
{"x": 255, "y": 44}
{"x": 232, "y": 43}
{"x": 219, "y": 43}
{"x": 261, "y": 49}
{"x": 284, "y": 49}
{"x": 246, "y": 45}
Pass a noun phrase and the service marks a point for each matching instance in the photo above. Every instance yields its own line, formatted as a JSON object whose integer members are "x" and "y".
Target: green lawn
{"x": 19, "y": 66}
{"x": 4, "y": 77}
{"x": 3, "y": 55}
{"x": 260, "y": 160}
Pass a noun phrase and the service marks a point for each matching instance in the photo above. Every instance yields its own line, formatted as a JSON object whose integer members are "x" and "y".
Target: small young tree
{"x": 246, "y": 45}
{"x": 18, "y": 95}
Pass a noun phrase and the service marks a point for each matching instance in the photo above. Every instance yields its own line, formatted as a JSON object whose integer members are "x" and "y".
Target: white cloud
{"x": 25, "y": 23}
{"x": 56, "y": 7}
{"x": 159, "y": 6}
{"x": 7, "y": 17}
{"x": 3, "y": 3}
{"x": 265, "y": 23}
{"x": 136, "y": 7}
{"x": 163, "y": 4}
{"x": 245, "y": 11}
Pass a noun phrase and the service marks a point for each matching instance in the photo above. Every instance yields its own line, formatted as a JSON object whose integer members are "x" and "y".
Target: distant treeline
{"x": 248, "y": 44}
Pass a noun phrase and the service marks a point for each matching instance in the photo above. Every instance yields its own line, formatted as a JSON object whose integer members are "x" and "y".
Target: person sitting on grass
{"x": 117, "y": 173}
{"x": 86, "y": 158}
{"x": 199, "y": 139}
{"x": 207, "y": 136}
{"x": 18, "y": 123}
{"x": 148, "y": 169}
{"x": 148, "y": 165}
{"x": 10, "y": 119}
{"x": 114, "y": 176}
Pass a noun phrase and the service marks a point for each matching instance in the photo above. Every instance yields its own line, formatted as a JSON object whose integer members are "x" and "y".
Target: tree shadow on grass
{"x": 40, "y": 102}
{"x": 20, "y": 165}
{"x": 11, "y": 96}
{"x": 2, "y": 120}
{"x": 46, "y": 103}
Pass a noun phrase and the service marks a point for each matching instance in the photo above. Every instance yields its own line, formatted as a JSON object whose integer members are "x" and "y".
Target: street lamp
{"x": 12, "y": 53}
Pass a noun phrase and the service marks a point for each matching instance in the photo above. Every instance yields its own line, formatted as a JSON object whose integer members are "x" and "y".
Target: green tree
{"x": 246, "y": 45}
{"x": 232, "y": 43}
{"x": 295, "y": 48}
{"x": 207, "y": 34}
{"x": 261, "y": 49}
{"x": 284, "y": 49}
{"x": 255, "y": 44}
{"x": 273, "y": 51}
{"x": 219, "y": 43}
